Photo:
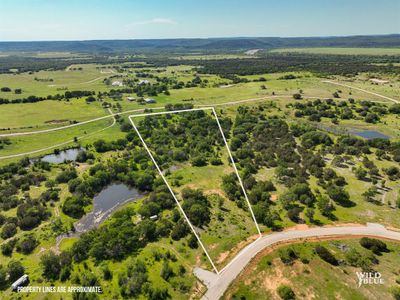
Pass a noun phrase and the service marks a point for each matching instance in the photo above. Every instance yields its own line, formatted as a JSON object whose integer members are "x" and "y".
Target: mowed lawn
{"x": 54, "y": 82}
{"x": 343, "y": 51}
{"x": 15, "y": 116}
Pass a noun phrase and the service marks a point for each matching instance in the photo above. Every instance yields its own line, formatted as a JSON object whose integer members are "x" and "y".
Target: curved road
{"x": 362, "y": 90}
{"x": 217, "y": 284}
{"x": 210, "y": 104}
{"x": 63, "y": 143}
{"x": 139, "y": 110}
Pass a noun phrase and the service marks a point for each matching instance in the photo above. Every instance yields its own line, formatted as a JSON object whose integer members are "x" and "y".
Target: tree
{"x": 135, "y": 278}
{"x": 297, "y": 96}
{"x": 9, "y": 230}
{"x": 3, "y": 277}
{"x": 376, "y": 246}
{"x": 293, "y": 214}
{"x": 286, "y": 292}
{"x": 51, "y": 266}
{"x": 15, "y": 270}
{"x": 192, "y": 243}
{"x": 338, "y": 195}
{"x": 199, "y": 161}
{"x": 327, "y": 256}
{"x": 360, "y": 173}
{"x": 287, "y": 255}
{"x": 166, "y": 271}
{"x": 27, "y": 245}
{"x": 310, "y": 212}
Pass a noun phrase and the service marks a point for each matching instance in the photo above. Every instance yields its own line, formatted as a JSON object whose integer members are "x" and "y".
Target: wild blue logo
{"x": 369, "y": 278}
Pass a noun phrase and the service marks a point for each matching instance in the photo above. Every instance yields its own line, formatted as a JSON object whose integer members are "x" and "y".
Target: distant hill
{"x": 210, "y": 44}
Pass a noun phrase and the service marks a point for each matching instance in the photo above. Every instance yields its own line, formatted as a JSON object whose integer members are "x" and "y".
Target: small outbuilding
{"x": 149, "y": 100}
{"x": 22, "y": 281}
{"x": 117, "y": 83}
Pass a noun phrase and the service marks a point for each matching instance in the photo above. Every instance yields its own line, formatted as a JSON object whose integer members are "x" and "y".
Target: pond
{"x": 105, "y": 203}
{"x": 65, "y": 155}
{"x": 367, "y": 134}
{"x": 371, "y": 134}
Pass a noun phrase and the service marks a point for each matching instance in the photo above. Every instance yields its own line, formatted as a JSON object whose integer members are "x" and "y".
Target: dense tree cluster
{"x": 33, "y": 99}
{"x": 17, "y": 179}
{"x": 346, "y": 65}
{"x": 368, "y": 111}
{"x": 190, "y": 136}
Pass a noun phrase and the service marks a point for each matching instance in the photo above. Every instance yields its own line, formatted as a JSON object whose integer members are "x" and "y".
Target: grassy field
{"x": 343, "y": 51}
{"x": 230, "y": 228}
{"x": 312, "y": 278}
{"x": 33, "y": 116}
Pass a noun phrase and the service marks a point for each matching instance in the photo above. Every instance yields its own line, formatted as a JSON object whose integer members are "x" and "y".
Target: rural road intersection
{"x": 217, "y": 284}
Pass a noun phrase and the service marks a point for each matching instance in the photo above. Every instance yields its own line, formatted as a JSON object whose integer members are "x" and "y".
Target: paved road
{"x": 218, "y": 284}
{"x": 362, "y": 90}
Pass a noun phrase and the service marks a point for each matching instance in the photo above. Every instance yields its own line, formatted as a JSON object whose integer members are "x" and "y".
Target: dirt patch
{"x": 271, "y": 283}
{"x": 82, "y": 167}
{"x": 221, "y": 258}
{"x": 231, "y": 253}
{"x": 197, "y": 291}
{"x": 274, "y": 197}
{"x": 379, "y": 81}
{"x": 219, "y": 192}
{"x": 300, "y": 227}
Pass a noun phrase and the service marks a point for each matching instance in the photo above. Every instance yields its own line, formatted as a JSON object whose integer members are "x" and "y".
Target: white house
{"x": 117, "y": 83}
{"x": 131, "y": 99}
{"x": 144, "y": 81}
{"x": 149, "y": 100}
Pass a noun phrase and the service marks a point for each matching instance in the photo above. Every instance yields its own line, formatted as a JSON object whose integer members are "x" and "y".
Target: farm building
{"x": 149, "y": 100}
{"x": 117, "y": 83}
{"x": 131, "y": 99}
{"x": 144, "y": 81}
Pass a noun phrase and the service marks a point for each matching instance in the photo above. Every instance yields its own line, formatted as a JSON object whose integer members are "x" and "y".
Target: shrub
{"x": 8, "y": 231}
{"x": 374, "y": 245}
{"x": 287, "y": 255}
{"x": 286, "y": 292}
{"x": 327, "y": 256}
{"x": 27, "y": 245}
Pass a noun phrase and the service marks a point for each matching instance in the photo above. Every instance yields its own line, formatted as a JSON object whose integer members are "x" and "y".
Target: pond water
{"x": 65, "y": 155}
{"x": 367, "y": 134}
{"x": 371, "y": 134}
{"x": 105, "y": 203}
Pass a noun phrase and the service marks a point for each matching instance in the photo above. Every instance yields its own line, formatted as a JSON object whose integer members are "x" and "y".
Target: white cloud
{"x": 155, "y": 21}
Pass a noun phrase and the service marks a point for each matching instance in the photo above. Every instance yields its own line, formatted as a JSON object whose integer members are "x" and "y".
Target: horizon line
{"x": 201, "y": 38}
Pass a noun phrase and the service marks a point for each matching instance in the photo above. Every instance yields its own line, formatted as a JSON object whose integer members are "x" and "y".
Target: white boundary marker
{"x": 169, "y": 187}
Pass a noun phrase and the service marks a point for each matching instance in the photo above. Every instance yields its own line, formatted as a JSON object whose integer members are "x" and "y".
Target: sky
{"x": 29, "y": 20}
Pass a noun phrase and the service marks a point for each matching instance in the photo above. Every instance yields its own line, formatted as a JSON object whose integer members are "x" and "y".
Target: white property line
{"x": 237, "y": 172}
{"x": 169, "y": 187}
